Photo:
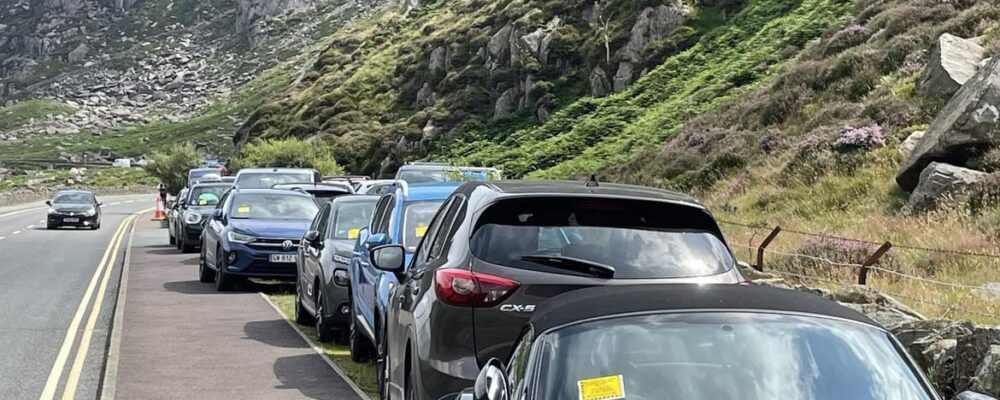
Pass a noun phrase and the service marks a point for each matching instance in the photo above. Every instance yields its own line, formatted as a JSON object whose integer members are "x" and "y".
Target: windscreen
{"x": 726, "y": 356}
{"x": 273, "y": 206}
{"x": 266, "y": 180}
{"x": 416, "y": 217}
{"x": 203, "y": 196}
{"x": 350, "y": 217}
{"x": 198, "y": 173}
{"x": 74, "y": 198}
{"x": 639, "y": 239}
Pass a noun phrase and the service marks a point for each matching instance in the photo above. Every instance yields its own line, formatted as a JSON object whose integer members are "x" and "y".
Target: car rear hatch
{"x": 531, "y": 249}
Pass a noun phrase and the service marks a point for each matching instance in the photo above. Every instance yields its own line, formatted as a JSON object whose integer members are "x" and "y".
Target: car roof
{"x": 272, "y": 191}
{"x": 569, "y": 188}
{"x": 358, "y": 198}
{"x": 429, "y": 191}
{"x": 266, "y": 170}
{"x": 616, "y": 300}
{"x": 331, "y": 186}
{"x": 212, "y": 183}
{"x": 69, "y": 191}
{"x": 203, "y": 169}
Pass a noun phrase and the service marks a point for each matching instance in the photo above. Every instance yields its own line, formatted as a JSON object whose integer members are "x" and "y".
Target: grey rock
{"x": 987, "y": 378}
{"x": 499, "y": 44}
{"x": 438, "y": 62}
{"x": 972, "y": 350}
{"x": 425, "y": 96}
{"x": 431, "y": 131}
{"x": 251, "y": 13}
{"x": 623, "y": 77}
{"x": 990, "y": 289}
{"x": 969, "y": 121}
{"x": 505, "y": 105}
{"x": 939, "y": 181}
{"x": 599, "y": 84}
{"x": 910, "y": 143}
{"x": 953, "y": 62}
{"x": 652, "y": 24}
{"x": 79, "y": 53}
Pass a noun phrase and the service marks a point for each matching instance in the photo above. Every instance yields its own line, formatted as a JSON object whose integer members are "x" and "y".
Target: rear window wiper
{"x": 592, "y": 268}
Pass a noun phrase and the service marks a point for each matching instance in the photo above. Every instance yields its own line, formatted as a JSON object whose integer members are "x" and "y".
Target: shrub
{"x": 851, "y": 35}
{"x": 867, "y": 137}
{"x": 289, "y": 153}
{"x": 171, "y": 166}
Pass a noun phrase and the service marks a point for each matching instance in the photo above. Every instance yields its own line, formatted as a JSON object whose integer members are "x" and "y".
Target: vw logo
{"x": 286, "y": 245}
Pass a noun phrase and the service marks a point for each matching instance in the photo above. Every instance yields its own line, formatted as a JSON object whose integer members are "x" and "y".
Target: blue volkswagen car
{"x": 400, "y": 217}
{"x": 254, "y": 233}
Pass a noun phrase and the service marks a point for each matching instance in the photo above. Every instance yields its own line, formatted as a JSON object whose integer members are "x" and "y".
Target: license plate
{"x": 71, "y": 220}
{"x": 283, "y": 258}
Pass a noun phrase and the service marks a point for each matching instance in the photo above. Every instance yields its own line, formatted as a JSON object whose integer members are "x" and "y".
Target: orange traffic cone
{"x": 158, "y": 214}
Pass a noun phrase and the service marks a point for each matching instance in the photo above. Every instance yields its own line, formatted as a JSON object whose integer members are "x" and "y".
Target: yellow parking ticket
{"x": 421, "y": 230}
{"x": 243, "y": 209}
{"x": 353, "y": 233}
{"x": 610, "y": 387}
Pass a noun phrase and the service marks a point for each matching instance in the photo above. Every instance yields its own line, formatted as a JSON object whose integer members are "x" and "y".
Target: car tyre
{"x": 170, "y": 237}
{"x": 96, "y": 226}
{"x": 360, "y": 346}
{"x": 323, "y": 331}
{"x": 51, "y": 226}
{"x": 205, "y": 275}
{"x": 223, "y": 283}
{"x": 302, "y": 317}
{"x": 185, "y": 247}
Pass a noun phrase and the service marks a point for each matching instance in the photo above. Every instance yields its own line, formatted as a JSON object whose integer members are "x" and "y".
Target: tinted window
{"x": 265, "y": 180}
{"x": 206, "y": 195}
{"x": 638, "y": 239}
{"x": 728, "y": 356}
{"x": 324, "y": 219}
{"x": 416, "y": 218}
{"x": 443, "y": 233}
{"x": 383, "y": 214}
{"x": 74, "y": 198}
{"x": 272, "y": 206}
{"x": 350, "y": 218}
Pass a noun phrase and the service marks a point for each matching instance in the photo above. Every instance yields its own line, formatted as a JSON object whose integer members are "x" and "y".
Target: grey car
{"x": 496, "y": 250}
{"x": 193, "y": 212}
{"x": 715, "y": 342}
{"x": 322, "y": 285}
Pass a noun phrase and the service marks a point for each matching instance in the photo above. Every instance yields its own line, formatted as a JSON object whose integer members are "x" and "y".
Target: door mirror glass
{"x": 389, "y": 258}
{"x": 311, "y": 237}
{"x": 218, "y": 215}
{"x": 377, "y": 239}
{"x": 48, "y": 202}
{"x": 970, "y": 395}
{"x": 491, "y": 384}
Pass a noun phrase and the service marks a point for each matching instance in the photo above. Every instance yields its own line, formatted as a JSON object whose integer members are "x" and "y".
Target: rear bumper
{"x": 338, "y": 306}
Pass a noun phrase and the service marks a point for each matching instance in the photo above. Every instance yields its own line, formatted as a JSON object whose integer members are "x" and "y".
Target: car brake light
{"x": 459, "y": 287}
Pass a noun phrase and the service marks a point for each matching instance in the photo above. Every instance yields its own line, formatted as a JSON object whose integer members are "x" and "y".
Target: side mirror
{"x": 389, "y": 258}
{"x": 970, "y": 395}
{"x": 100, "y": 204}
{"x": 376, "y": 240}
{"x": 48, "y": 203}
{"x": 491, "y": 384}
{"x": 218, "y": 215}
{"x": 311, "y": 237}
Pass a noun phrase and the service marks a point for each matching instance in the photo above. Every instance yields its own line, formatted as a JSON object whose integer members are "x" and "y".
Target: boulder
{"x": 499, "y": 44}
{"x": 79, "y": 53}
{"x": 953, "y": 62}
{"x": 623, "y": 77}
{"x": 940, "y": 180}
{"x": 910, "y": 143}
{"x": 506, "y": 104}
{"x": 438, "y": 62}
{"x": 599, "y": 84}
{"x": 968, "y": 124}
{"x": 987, "y": 378}
{"x": 652, "y": 24}
{"x": 972, "y": 352}
{"x": 425, "y": 96}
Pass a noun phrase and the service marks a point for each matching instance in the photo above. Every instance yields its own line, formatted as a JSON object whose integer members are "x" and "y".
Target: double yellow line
{"x": 105, "y": 269}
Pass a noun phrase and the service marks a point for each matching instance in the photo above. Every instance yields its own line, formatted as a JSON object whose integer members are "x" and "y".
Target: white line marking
{"x": 41, "y": 221}
{"x": 115, "y": 203}
{"x": 30, "y": 227}
{"x": 318, "y": 350}
{"x": 15, "y": 232}
{"x": 20, "y": 212}
{"x": 2, "y": 237}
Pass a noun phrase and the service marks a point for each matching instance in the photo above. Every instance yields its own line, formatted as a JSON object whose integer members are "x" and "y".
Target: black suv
{"x": 496, "y": 250}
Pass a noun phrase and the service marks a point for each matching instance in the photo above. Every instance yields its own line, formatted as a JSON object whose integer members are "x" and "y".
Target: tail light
{"x": 459, "y": 287}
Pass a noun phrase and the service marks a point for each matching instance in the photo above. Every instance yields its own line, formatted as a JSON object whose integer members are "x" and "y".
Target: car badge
{"x": 286, "y": 245}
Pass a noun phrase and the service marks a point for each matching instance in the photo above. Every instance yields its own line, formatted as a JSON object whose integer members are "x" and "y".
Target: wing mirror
{"x": 389, "y": 258}
{"x": 376, "y": 240}
{"x": 218, "y": 215}
{"x": 311, "y": 237}
{"x": 48, "y": 203}
{"x": 970, "y": 395}
{"x": 491, "y": 384}
{"x": 100, "y": 203}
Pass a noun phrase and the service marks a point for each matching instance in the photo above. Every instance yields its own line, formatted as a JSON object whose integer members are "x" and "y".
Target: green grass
{"x": 19, "y": 114}
{"x": 364, "y": 375}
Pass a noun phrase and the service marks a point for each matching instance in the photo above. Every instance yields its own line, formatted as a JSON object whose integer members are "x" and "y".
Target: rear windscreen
{"x": 639, "y": 239}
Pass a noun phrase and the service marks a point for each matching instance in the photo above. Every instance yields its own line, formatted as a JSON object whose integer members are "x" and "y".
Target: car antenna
{"x": 592, "y": 182}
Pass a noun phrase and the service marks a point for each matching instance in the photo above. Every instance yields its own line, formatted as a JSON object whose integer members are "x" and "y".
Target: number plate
{"x": 283, "y": 258}
{"x": 71, "y": 220}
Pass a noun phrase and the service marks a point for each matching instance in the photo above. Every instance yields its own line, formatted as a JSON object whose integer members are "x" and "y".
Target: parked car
{"x": 266, "y": 178}
{"x": 322, "y": 296}
{"x": 354, "y": 180}
{"x": 715, "y": 342}
{"x": 195, "y": 175}
{"x": 194, "y": 211}
{"x": 377, "y": 187}
{"x": 76, "y": 208}
{"x": 401, "y": 218}
{"x": 173, "y": 216}
{"x": 429, "y": 172}
{"x": 322, "y": 192}
{"x": 254, "y": 233}
{"x": 496, "y": 250}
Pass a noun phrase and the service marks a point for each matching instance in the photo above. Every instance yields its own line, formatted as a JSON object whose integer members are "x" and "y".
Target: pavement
{"x": 182, "y": 339}
{"x": 64, "y": 333}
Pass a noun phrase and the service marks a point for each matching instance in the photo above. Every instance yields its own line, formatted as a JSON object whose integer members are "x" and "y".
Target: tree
{"x": 171, "y": 167}
{"x": 289, "y": 153}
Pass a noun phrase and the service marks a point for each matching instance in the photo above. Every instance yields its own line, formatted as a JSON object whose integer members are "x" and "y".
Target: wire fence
{"x": 761, "y": 240}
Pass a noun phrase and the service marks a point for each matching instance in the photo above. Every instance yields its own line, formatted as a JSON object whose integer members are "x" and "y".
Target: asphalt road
{"x": 44, "y": 278}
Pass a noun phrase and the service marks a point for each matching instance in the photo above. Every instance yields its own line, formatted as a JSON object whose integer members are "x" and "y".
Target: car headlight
{"x": 91, "y": 212}
{"x": 52, "y": 210}
{"x": 192, "y": 218}
{"x": 240, "y": 238}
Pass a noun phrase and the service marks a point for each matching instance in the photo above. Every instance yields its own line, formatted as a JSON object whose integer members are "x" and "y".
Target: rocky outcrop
{"x": 79, "y": 53}
{"x": 968, "y": 124}
{"x": 252, "y": 12}
{"x": 506, "y": 104}
{"x": 910, "y": 143}
{"x": 939, "y": 181}
{"x": 652, "y": 24}
{"x": 599, "y": 84}
{"x": 953, "y": 62}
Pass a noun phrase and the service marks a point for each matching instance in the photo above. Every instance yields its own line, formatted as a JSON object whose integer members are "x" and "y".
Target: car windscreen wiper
{"x": 593, "y": 268}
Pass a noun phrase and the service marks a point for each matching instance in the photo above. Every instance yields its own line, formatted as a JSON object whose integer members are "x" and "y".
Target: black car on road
{"x": 322, "y": 295}
{"x": 76, "y": 208}
{"x": 702, "y": 342}
{"x": 496, "y": 250}
{"x": 193, "y": 212}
